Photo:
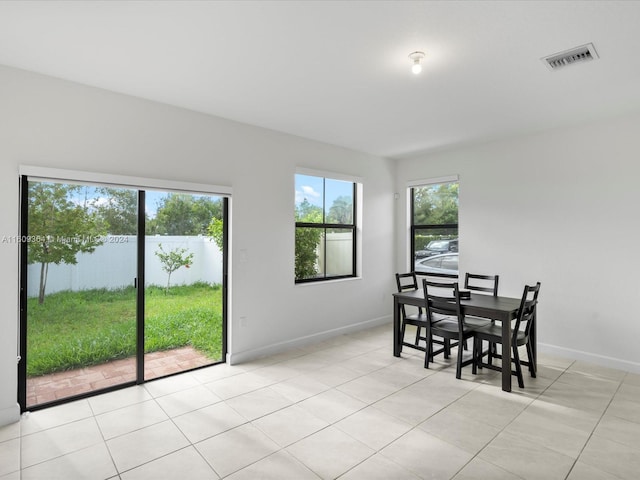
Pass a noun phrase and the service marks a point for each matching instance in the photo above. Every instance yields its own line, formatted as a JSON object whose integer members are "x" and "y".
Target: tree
{"x": 58, "y": 228}
{"x": 173, "y": 260}
{"x": 184, "y": 214}
{"x": 118, "y": 210}
{"x": 436, "y": 204}
{"x": 341, "y": 211}
{"x": 216, "y": 232}
{"x": 307, "y": 240}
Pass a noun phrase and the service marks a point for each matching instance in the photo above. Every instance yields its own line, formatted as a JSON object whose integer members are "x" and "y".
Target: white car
{"x": 445, "y": 263}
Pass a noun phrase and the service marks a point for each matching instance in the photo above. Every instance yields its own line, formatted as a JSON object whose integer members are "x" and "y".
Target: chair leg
{"x": 532, "y": 366}
{"x": 516, "y": 359}
{"x": 459, "y": 362}
{"x": 447, "y": 348}
{"x": 418, "y": 329}
{"x": 429, "y": 349}
{"x": 474, "y": 362}
{"x": 493, "y": 353}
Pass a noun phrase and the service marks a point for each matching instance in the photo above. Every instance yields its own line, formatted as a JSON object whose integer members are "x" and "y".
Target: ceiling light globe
{"x": 416, "y": 68}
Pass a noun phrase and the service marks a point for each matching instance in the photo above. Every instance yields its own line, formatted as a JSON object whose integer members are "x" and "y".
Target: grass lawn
{"x": 77, "y": 329}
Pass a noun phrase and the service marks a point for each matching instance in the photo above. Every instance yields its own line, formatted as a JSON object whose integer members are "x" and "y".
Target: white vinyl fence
{"x": 113, "y": 265}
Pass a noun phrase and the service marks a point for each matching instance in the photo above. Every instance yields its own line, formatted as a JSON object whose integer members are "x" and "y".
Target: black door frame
{"x": 140, "y": 304}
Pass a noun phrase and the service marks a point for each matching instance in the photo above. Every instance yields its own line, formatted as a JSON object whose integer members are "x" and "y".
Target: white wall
{"x": 559, "y": 207}
{"x": 52, "y": 123}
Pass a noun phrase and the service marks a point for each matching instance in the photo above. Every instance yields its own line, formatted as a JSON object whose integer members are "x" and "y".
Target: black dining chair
{"x": 521, "y": 336}
{"x": 407, "y": 282}
{"x": 484, "y": 284}
{"x": 442, "y": 301}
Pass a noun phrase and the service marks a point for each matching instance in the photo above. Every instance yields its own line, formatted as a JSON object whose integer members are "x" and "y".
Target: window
{"x": 434, "y": 227}
{"x": 325, "y": 213}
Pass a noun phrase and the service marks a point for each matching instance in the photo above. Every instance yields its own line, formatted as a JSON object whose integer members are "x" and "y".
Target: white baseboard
{"x": 240, "y": 357}
{"x": 600, "y": 360}
{"x": 9, "y": 415}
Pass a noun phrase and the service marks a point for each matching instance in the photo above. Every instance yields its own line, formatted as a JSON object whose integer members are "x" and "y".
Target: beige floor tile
{"x": 185, "y": 463}
{"x": 370, "y": 362}
{"x": 209, "y": 421}
{"x": 625, "y": 408}
{"x": 165, "y": 386}
{"x": 628, "y": 391}
{"x": 32, "y": 422}
{"x": 619, "y": 430}
{"x": 330, "y": 452}
{"x": 258, "y": 403}
{"x": 236, "y": 449}
{"x": 278, "y": 466}
{"x": 549, "y": 433}
{"x": 185, "y": 401}
{"x": 90, "y": 463}
{"x": 632, "y": 379}
{"x": 378, "y": 467}
{"x": 373, "y": 427}
{"x": 576, "y": 396}
{"x": 462, "y": 431}
{"x": 596, "y": 371}
{"x": 9, "y": 432}
{"x": 142, "y": 446}
{"x": 612, "y": 457}
{"x": 238, "y": 385}
{"x": 299, "y": 388}
{"x": 498, "y": 408}
{"x": 592, "y": 382}
{"x": 217, "y": 372}
{"x": 584, "y": 420}
{"x": 333, "y": 375}
{"x": 289, "y": 425}
{"x": 526, "y": 459}
{"x": 332, "y": 405}
{"x": 368, "y": 388}
{"x": 54, "y": 442}
{"x": 9, "y": 456}
{"x": 277, "y": 372}
{"x": 478, "y": 469}
{"x": 409, "y": 407}
{"x": 582, "y": 471}
{"x": 11, "y": 476}
{"x": 118, "y": 399}
{"x": 131, "y": 418}
{"x": 427, "y": 456}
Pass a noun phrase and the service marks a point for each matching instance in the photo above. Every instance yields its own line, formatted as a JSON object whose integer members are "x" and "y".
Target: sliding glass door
{"x": 184, "y": 279}
{"x": 118, "y": 286}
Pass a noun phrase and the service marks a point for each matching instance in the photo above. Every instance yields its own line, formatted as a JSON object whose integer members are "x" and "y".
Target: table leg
{"x": 506, "y": 355}
{"x": 396, "y": 327}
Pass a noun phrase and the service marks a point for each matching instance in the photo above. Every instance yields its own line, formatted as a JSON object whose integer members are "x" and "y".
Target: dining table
{"x": 501, "y": 309}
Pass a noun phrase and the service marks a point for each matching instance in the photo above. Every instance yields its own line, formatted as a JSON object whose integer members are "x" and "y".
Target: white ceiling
{"x": 338, "y": 72}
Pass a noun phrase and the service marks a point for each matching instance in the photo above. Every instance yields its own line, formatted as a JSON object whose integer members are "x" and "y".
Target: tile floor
{"x": 347, "y": 409}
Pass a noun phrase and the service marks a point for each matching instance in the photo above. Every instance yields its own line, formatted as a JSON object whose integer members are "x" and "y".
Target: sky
{"x": 311, "y": 188}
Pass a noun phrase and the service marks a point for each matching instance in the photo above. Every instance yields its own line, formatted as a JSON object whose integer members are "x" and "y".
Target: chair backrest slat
{"x": 484, "y": 286}
{"x": 527, "y": 310}
{"x": 443, "y": 299}
{"x": 407, "y": 282}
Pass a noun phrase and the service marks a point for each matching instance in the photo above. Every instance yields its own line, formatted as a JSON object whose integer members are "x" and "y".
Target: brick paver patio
{"x": 48, "y": 388}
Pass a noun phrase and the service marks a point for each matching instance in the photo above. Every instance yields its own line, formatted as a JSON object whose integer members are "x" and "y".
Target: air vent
{"x": 581, "y": 54}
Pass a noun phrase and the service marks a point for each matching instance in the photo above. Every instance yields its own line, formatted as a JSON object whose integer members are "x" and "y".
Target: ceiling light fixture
{"x": 416, "y": 58}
